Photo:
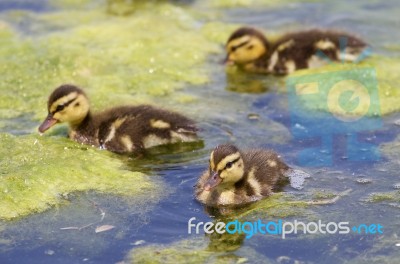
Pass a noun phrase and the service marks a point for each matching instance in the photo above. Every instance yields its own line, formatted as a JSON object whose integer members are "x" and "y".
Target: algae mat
{"x": 193, "y": 251}
{"x": 116, "y": 59}
{"x": 37, "y": 172}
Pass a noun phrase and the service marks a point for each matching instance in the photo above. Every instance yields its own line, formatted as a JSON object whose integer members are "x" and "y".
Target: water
{"x": 223, "y": 108}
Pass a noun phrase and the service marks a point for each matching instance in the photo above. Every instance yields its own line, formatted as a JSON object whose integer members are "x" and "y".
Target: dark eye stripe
{"x": 61, "y": 107}
{"x": 239, "y": 45}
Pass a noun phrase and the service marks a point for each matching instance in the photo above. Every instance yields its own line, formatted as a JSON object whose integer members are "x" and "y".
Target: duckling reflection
{"x": 237, "y": 81}
{"x": 249, "y": 49}
{"x": 164, "y": 157}
{"x": 225, "y": 242}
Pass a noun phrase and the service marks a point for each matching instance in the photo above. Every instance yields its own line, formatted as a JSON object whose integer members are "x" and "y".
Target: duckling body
{"x": 249, "y": 49}
{"x": 121, "y": 129}
{"x": 238, "y": 177}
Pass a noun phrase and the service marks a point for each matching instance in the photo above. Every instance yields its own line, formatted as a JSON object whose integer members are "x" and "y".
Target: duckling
{"x": 249, "y": 49}
{"x": 238, "y": 177}
{"x": 122, "y": 129}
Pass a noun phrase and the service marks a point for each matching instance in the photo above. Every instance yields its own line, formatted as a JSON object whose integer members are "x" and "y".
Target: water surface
{"x": 222, "y": 105}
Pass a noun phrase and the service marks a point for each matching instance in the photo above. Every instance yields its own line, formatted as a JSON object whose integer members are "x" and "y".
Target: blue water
{"x": 166, "y": 221}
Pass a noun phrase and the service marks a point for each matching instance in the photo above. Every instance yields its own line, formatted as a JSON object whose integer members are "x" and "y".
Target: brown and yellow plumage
{"x": 249, "y": 49}
{"x": 239, "y": 177}
{"x": 121, "y": 129}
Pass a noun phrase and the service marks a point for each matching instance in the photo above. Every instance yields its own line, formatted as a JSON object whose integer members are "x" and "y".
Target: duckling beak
{"x": 47, "y": 123}
{"x": 227, "y": 61}
{"x": 212, "y": 182}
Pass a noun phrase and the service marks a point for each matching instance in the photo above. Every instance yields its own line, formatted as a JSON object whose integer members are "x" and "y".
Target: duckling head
{"x": 245, "y": 45}
{"x": 67, "y": 103}
{"x": 226, "y": 167}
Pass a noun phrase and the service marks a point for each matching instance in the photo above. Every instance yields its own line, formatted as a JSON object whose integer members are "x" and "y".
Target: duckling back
{"x": 135, "y": 128}
{"x": 265, "y": 169}
{"x": 313, "y": 48}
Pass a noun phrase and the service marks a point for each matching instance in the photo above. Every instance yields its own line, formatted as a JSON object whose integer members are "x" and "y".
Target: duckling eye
{"x": 250, "y": 47}
{"x": 60, "y": 108}
{"x": 77, "y": 104}
{"x": 233, "y": 49}
{"x": 229, "y": 165}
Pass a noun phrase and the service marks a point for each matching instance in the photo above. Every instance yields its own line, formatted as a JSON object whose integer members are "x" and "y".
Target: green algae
{"x": 391, "y": 150}
{"x": 113, "y": 58}
{"x": 387, "y": 85}
{"x": 252, "y": 3}
{"x": 192, "y": 251}
{"x": 323, "y": 194}
{"x": 392, "y": 196}
{"x": 217, "y": 31}
{"x": 37, "y": 172}
{"x": 74, "y": 4}
{"x": 383, "y": 251}
{"x": 279, "y": 205}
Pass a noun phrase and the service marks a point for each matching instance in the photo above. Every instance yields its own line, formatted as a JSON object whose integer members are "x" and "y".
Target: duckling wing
{"x": 269, "y": 169}
{"x": 313, "y": 48}
{"x": 169, "y": 125}
{"x": 133, "y": 128}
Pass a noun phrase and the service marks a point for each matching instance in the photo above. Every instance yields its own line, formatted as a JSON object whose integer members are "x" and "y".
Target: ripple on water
{"x": 297, "y": 178}
{"x": 363, "y": 180}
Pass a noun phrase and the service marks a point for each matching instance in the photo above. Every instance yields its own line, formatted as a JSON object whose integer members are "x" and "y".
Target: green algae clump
{"x": 115, "y": 59}
{"x": 392, "y": 196}
{"x": 192, "y": 251}
{"x": 252, "y": 3}
{"x": 37, "y": 172}
{"x": 279, "y": 205}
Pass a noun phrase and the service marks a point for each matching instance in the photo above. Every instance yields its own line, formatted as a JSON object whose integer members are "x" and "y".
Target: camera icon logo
{"x": 330, "y": 110}
{"x": 360, "y": 100}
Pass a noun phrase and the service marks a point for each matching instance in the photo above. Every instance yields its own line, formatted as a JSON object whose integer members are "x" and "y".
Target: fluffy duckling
{"x": 238, "y": 177}
{"x": 249, "y": 49}
{"x": 121, "y": 129}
